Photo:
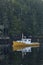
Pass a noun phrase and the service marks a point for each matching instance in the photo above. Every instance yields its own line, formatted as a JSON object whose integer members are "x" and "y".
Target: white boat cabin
{"x": 26, "y": 41}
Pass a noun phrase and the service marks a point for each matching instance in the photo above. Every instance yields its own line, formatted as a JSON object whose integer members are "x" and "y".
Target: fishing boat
{"x": 22, "y": 43}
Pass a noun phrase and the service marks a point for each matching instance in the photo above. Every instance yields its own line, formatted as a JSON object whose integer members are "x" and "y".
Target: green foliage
{"x": 22, "y": 16}
{"x": 15, "y": 26}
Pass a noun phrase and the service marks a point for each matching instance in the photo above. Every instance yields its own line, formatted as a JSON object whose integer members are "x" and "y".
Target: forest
{"x": 22, "y": 16}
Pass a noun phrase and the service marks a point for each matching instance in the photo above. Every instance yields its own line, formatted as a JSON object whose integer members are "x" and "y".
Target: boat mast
{"x": 22, "y": 36}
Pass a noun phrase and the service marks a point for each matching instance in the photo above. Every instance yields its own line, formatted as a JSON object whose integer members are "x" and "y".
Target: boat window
{"x": 29, "y": 40}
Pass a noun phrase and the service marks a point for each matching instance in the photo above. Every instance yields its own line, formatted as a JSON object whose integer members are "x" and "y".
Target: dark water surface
{"x": 30, "y": 58}
{"x": 8, "y": 57}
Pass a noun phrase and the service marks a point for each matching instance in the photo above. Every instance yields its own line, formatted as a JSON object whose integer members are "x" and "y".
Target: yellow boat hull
{"x": 19, "y": 45}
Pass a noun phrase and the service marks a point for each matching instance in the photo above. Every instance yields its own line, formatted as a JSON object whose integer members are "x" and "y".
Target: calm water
{"x": 17, "y": 58}
{"x": 27, "y": 59}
